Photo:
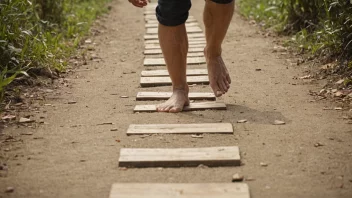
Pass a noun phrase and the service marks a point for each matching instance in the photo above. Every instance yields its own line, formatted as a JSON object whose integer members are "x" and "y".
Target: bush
{"x": 41, "y": 33}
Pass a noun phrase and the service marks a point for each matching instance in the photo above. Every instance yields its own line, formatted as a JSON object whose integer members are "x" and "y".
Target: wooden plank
{"x": 157, "y": 46}
{"x": 161, "y": 61}
{"x": 155, "y": 36}
{"x": 179, "y": 157}
{"x": 191, "y": 107}
{"x": 156, "y": 42}
{"x": 156, "y": 21}
{"x": 189, "y": 30}
{"x": 189, "y": 72}
{"x": 158, "y": 51}
{"x": 167, "y": 95}
{"x": 219, "y": 128}
{"x": 153, "y": 17}
{"x": 155, "y": 25}
{"x": 189, "y": 40}
{"x": 164, "y": 81}
{"x": 179, "y": 190}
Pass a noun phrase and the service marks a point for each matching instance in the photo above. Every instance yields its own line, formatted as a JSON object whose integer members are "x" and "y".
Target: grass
{"x": 322, "y": 28}
{"x": 41, "y": 34}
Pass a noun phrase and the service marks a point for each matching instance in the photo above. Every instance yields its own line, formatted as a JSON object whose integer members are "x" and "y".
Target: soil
{"x": 70, "y": 152}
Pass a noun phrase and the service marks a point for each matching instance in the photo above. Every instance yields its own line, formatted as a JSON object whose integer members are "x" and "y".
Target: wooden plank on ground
{"x": 179, "y": 190}
{"x": 164, "y": 81}
{"x": 155, "y": 25}
{"x": 179, "y": 157}
{"x": 156, "y": 21}
{"x": 167, "y": 95}
{"x": 141, "y": 129}
{"x": 189, "y": 72}
{"x": 158, "y": 51}
{"x": 192, "y": 107}
{"x": 157, "y": 46}
{"x": 155, "y": 36}
{"x": 156, "y": 42}
{"x": 161, "y": 61}
{"x": 153, "y": 17}
{"x": 189, "y": 30}
{"x": 189, "y": 40}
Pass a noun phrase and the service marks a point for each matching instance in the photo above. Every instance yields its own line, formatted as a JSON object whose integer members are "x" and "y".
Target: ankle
{"x": 212, "y": 52}
{"x": 182, "y": 88}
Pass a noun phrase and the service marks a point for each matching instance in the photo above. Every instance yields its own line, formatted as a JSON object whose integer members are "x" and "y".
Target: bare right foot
{"x": 176, "y": 102}
{"x": 218, "y": 75}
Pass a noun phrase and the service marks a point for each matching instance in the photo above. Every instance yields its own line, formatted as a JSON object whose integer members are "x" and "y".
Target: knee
{"x": 173, "y": 12}
{"x": 222, "y": 1}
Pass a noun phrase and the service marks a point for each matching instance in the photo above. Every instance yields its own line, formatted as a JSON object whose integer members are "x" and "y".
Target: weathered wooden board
{"x": 158, "y": 51}
{"x": 189, "y": 40}
{"x": 155, "y": 36}
{"x": 189, "y": 72}
{"x": 153, "y": 17}
{"x": 157, "y": 46}
{"x": 163, "y": 81}
{"x": 180, "y": 157}
{"x": 167, "y": 95}
{"x": 191, "y": 43}
{"x": 189, "y": 30}
{"x": 191, "y": 107}
{"x": 149, "y": 12}
{"x": 179, "y": 190}
{"x": 161, "y": 61}
{"x": 155, "y": 25}
{"x": 156, "y": 21}
{"x": 219, "y": 128}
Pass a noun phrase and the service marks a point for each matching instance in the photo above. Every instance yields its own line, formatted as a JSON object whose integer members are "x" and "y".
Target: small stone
{"x": 263, "y": 164}
{"x": 242, "y": 121}
{"x": 237, "y": 178}
{"x": 25, "y": 120}
{"x": 9, "y": 190}
{"x": 71, "y": 102}
{"x": 340, "y": 81}
{"x": 338, "y": 108}
{"x": 114, "y": 129}
{"x": 318, "y": 144}
{"x": 338, "y": 94}
{"x": 202, "y": 166}
{"x": 197, "y": 136}
{"x": 123, "y": 96}
{"x": 258, "y": 69}
{"x": 279, "y": 122}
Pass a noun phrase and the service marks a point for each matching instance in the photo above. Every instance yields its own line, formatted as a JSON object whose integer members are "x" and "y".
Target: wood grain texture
{"x": 163, "y": 81}
{"x": 179, "y": 190}
{"x": 191, "y": 107}
{"x": 218, "y": 128}
{"x": 155, "y": 36}
{"x": 158, "y": 51}
{"x": 179, "y": 157}
{"x": 167, "y": 95}
{"x": 188, "y": 29}
{"x": 161, "y": 61}
{"x": 189, "y": 72}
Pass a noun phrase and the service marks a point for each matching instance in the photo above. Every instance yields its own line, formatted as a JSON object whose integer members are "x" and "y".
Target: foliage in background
{"x": 321, "y": 27}
{"x": 37, "y": 34}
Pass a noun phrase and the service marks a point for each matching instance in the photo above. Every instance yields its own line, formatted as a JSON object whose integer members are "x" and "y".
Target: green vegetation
{"x": 37, "y": 34}
{"x": 320, "y": 27}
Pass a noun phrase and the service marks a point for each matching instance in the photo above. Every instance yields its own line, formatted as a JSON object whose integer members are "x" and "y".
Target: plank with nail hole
{"x": 192, "y": 107}
{"x": 180, "y": 157}
{"x": 161, "y": 61}
{"x": 179, "y": 190}
{"x": 142, "y": 129}
{"x": 164, "y": 81}
{"x": 167, "y": 95}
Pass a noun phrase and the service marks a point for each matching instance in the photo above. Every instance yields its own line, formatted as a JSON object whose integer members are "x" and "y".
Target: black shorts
{"x": 175, "y": 12}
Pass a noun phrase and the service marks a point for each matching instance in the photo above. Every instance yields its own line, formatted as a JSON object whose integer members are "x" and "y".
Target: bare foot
{"x": 176, "y": 102}
{"x": 218, "y": 75}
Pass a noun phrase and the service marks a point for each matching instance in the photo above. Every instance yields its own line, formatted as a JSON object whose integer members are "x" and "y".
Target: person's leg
{"x": 217, "y": 17}
{"x": 172, "y": 15}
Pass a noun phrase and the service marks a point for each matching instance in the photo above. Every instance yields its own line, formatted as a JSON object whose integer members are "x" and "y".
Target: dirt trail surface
{"x": 76, "y": 155}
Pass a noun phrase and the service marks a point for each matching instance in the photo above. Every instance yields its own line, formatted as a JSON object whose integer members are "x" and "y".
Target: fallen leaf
{"x": 242, "y": 121}
{"x": 8, "y": 117}
{"x": 340, "y": 81}
{"x": 279, "y": 122}
{"x": 197, "y": 136}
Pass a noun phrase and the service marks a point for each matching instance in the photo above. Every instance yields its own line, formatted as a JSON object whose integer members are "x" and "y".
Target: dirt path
{"x": 74, "y": 156}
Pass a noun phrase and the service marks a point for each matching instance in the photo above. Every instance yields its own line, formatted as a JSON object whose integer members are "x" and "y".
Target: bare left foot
{"x": 176, "y": 102}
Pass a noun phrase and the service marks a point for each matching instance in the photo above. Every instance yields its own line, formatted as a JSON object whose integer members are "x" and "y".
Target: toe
{"x": 216, "y": 90}
{"x": 222, "y": 86}
{"x": 175, "y": 110}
